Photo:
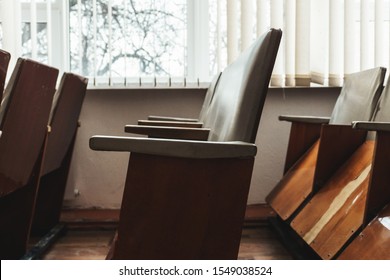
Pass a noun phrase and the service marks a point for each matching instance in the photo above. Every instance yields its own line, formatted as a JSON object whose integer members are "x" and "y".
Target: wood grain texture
{"x": 336, "y": 212}
{"x": 373, "y": 243}
{"x": 295, "y": 186}
{"x": 176, "y": 208}
{"x": 302, "y": 137}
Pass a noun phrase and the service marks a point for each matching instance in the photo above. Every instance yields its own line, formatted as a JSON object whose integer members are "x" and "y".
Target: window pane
{"x": 41, "y": 41}
{"x": 128, "y": 37}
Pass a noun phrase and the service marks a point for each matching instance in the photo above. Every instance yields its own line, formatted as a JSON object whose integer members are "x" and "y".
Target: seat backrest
{"x": 63, "y": 119}
{"x": 382, "y": 113}
{"x": 359, "y": 96}
{"x": 235, "y": 110}
{"x": 209, "y": 97}
{"x": 24, "y": 114}
{"x": 4, "y": 61}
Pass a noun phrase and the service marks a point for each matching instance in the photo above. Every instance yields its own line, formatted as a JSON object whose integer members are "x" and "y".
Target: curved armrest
{"x": 305, "y": 119}
{"x": 162, "y": 118}
{"x": 170, "y": 123}
{"x": 169, "y": 132}
{"x": 173, "y": 148}
{"x": 372, "y": 126}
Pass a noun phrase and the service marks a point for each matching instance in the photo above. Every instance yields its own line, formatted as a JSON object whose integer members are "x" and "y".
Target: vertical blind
{"x": 323, "y": 40}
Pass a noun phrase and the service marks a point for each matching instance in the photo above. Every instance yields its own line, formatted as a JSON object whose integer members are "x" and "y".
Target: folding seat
{"x": 4, "y": 61}
{"x": 63, "y": 124}
{"x": 318, "y": 146}
{"x": 186, "y": 122}
{"x": 373, "y": 243}
{"x": 186, "y": 199}
{"x": 24, "y": 115}
{"x": 179, "y": 128}
{"x": 354, "y": 195}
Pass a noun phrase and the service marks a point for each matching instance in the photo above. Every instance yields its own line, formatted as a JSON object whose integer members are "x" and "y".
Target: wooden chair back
{"x": 23, "y": 121}
{"x": 63, "y": 123}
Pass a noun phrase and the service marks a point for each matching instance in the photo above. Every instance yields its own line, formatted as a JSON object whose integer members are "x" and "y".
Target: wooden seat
{"x": 186, "y": 199}
{"x": 4, "y": 61}
{"x": 63, "y": 123}
{"x": 319, "y": 146}
{"x": 373, "y": 243}
{"x": 23, "y": 121}
{"x": 352, "y": 196}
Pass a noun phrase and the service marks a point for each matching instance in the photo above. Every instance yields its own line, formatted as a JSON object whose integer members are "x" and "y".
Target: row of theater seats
{"x": 335, "y": 192}
{"x": 38, "y": 126}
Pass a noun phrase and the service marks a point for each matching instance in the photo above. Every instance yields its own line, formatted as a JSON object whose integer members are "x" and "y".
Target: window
{"x": 127, "y": 42}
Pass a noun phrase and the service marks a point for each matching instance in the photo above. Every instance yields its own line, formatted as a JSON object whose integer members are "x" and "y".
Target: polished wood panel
{"x": 295, "y": 186}
{"x": 63, "y": 129}
{"x": 24, "y": 116}
{"x": 373, "y": 243}
{"x": 336, "y": 212}
{"x": 170, "y": 212}
{"x": 337, "y": 144}
{"x": 379, "y": 189}
{"x": 302, "y": 137}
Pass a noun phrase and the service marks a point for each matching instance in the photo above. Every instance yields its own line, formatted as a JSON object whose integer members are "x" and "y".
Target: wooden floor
{"x": 259, "y": 242}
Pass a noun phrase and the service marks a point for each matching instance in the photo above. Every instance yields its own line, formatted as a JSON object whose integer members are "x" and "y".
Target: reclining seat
{"x": 186, "y": 199}
{"x": 63, "y": 123}
{"x": 309, "y": 165}
{"x": 4, "y": 61}
{"x": 354, "y": 195}
{"x": 24, "y": 114}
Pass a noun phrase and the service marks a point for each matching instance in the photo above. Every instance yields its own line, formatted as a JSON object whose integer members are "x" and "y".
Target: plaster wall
{"x": 96, "y": 179}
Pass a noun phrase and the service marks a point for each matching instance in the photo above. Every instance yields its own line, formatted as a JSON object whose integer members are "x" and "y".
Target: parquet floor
{"x": 258, "y": 242}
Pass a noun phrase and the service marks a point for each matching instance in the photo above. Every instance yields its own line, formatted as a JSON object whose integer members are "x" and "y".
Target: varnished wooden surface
{"x": 178, "y": 208}
{"x": 295, "y": 185}
{"x": 257, "y": 243}
{"x": 374, "y": 242}
{"x": 336, "y": 212}
{"x": 302, "y": 137}
{"x": 337, "y": 144}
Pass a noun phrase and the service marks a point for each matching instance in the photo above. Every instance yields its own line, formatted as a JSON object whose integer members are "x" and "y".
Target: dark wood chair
{"x": 63, "y": 123}
{"x": 318, "y": 146}
{"x": 23, "y": 121}
{"x": 4, "y": 61}
{"x": 354, "y": 195}
{"x": 186, "y": 199}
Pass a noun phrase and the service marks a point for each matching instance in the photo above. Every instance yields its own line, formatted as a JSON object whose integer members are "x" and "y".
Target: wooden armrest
{"x": 372, "y": 126}
{"x": 305, "y": 119}
{"x": 169, "y": 132}
{"x": 170, "y": 123}
{"x": 162, "y": 118}
{"x": 173, "y": 147}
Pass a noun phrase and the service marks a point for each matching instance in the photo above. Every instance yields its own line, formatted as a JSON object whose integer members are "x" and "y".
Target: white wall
{"x": 98, "y": 177}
